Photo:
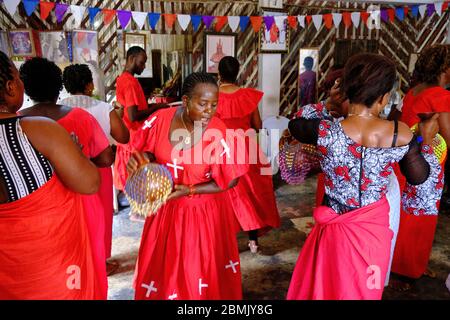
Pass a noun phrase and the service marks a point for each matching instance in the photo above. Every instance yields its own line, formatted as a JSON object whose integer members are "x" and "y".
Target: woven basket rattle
{"x": 439, "y": 145}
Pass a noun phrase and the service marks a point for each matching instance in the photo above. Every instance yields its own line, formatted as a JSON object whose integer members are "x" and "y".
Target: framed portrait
{"x": 55, "y": 46}
{"x": 217, "y": 46}
{"x": 4, "y": 45}
{"x": 274, "y": 40}
{"x": 134, "y": 39}
{"x": 307, "y": 75}
{"x": 85, "y": 46}
{"x": 278, "y": 4}
{"x": 412, "y": 62}
{"x": 21, "y": 43}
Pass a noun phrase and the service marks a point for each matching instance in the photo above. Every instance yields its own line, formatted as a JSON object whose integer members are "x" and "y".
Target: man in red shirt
{"x": 130, "y": 95}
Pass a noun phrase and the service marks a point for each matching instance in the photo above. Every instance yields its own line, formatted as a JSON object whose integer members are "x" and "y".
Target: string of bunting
{"x": 387, "y": 15}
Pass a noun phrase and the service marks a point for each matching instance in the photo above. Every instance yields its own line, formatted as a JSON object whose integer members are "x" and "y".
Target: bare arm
{"x": 444, "y": 126}
{"x": 138, "y": 115}
{"x": 118, "y": 129}
{"x": 104, "y": 159}
{"x": 256, "y": 120}
{"x": 74, "y": 170}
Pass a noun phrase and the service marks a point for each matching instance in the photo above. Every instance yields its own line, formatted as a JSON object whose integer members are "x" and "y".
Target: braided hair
{"x": 193, "y": 80}
{"x": 42, "y": 79}
{"x": 6, "y": 74}
{"x": 76, "y": 77}
{"x": 432, "y": 62}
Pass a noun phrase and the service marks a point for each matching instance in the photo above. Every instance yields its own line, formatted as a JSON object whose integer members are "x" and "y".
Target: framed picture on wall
{"x": 271, "y": 4}
{"x": 21, "y": 42}
{"x": 275, "y": 40}
{"x": 134, "y": 39}
{"x": 412, "y": 62}
{"x": 307, "y": 75}
{"x": 216, "y": 46}
{"x": 54, "y": 46}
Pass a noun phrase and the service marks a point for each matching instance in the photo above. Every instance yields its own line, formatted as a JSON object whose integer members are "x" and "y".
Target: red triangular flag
{"x": 256, "y": 22}
{"x": 406, "y": 10}
{"x": 308, "y": 19}
{"x": 347, "y": 17}
{"x": 108, "y": 16}
{"x": 444, "y": 6}
{"x": 46, "y": 7}
{"x": 328, "y": 18}
{"x": 293, "y": 21}
{"x": 221, "y": 22}
{"x": 170, "y": 18}
{"x": 80, "y": 36}
{"x": 365, "y": 16}
{"x": 391, "y": 14}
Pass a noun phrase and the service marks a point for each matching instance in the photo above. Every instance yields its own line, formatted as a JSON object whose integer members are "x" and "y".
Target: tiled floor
{"x": 266, "y": 275}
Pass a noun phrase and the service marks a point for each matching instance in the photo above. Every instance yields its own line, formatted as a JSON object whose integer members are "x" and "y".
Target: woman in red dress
{"x": 416, "y": 232}
{"x": 90, "y": 136}
{"x": 253, "y": 198}
{"x": 189, "y": 249}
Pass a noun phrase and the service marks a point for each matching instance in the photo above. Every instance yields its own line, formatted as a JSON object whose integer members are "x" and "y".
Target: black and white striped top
{"x": 22, "y": 167}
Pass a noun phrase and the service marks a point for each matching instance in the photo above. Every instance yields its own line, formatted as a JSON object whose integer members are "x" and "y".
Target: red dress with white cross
{"x": 189, "y": 248}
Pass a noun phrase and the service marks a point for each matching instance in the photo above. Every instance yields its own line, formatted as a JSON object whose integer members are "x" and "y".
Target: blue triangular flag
{"x": 153, "y": 19}
{"x": 30, "y": 6}
{"x": 415, "y": 11}
{"x": 196, "y": 20}
{"x": 243, "y": 23}
{"x": 92, "y": 13}
{"x": 400, "y": 13}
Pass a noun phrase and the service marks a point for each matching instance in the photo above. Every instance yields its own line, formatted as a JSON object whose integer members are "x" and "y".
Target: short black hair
{"x": 134, "y": 50}
{"x": 76, "y": 77}
{"x": 432, "y": 62}
{"x": 229, "y": 69}
{"x": 367, "y": 77}
{"x": 6, "y": 73}
{"x": 308, "y": 62}
{"x": 193, "y": 80}
{"x": 42, "y": 79}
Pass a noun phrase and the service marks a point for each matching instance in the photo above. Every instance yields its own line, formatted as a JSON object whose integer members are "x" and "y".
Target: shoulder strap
{"x": 394, "y": 139}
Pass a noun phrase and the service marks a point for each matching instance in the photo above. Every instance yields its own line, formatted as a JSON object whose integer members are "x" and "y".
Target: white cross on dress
{"x": 226, "y": 148}
{"x": 201, "y": 285}
{"x": 175, "y": 167}
{"x": 149, "y": 288}
{"x": 232, "y": 266}
{"x": 148, "y": 123}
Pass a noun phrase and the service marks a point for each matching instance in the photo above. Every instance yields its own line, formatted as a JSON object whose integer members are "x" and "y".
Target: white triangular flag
{"x": 233, "y": 22}
{"x": 139, "y": 18}
{"x": 337, "y": 19}
{"x": 438, "y": 8}
{"x": 279, "y": 21}
{"x": 356, "y": 17}
{"x": 301, "y": 21}
{"x": 317, "y": 20}
{"x": 183, "y": 20}
{"x": 77, "y": 12}
{"x": 374, "y": 20}
{"x": 422, "y": 10}
{"x": 11, "y": 6}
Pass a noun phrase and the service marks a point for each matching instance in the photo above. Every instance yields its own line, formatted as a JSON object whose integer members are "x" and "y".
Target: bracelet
{"x": 191, "y": 190}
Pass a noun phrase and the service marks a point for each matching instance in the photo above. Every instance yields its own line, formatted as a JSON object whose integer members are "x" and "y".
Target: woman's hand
{"x": 75, "y": 139}
{"x": 180, "y": 190}
{"x": 429, "y": 128}
{"x": 137, "y": 159}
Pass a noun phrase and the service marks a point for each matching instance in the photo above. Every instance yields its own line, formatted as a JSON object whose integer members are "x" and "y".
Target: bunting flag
{"x": 196, "y": 20}
{"x": 170, "y": 19}
{"x": 375, "y": 20}
{"x": 77, "y": 12}
{"x": 384, "y": 15}
{"x": 438, "y": 8}
{"x": 356, "y": 18}
{"x": 46, "y": 7}
{"x": 391, "y": 14}
{"x": 92, "y": 13}
{"x": 347, "y": 19}
{"x": 124, "y": 17}
{"x": 221, "y": 22}
{"x": 328, "y": 20}
{"x": 30, "y": 6}
{"x": 292, "y": 21}
{"x": 430, "y": 9}
{"x": 81, "y": 36}
{"x": 256, "y": 23}
{"x": 269, "y": 21}
{"x": 422, "y": 10}
{"x": 406, "y": 10}
{"x": 243, "y": 22}
{"x": 139, "y": 18}
{"x": 365, "y": 17}
{"x": 183, "y": 21}
{"x": 11, "y": 6}
{"x": 308, "y": 19}
{"x": 208, "y": 20}
{"x": 400, "y": 13}
{"x": 60, "y": 11}
{"x": 153, "y": 19}
{"x": 233, "y": 22}
{"x": 337, "y": 19}
{"x": 445, "y": 6}
{"x": 415, "y": 11}
{"x": 301, "y": 21}
{"x": 317, "y": 20}
{"x": 108, "y": 16}
{"x": 280, "y": 22}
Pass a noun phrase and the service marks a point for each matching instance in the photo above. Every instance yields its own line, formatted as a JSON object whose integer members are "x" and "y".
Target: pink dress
{"x": 189, "y": 249}
{"x": 94, "y": 141}
{"x": 253, "y": 199}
